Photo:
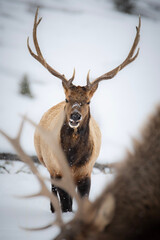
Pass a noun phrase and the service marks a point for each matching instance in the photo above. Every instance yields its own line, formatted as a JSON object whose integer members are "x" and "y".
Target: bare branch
{"x": 103, "y": 167}
{"x": 4, "y": 168}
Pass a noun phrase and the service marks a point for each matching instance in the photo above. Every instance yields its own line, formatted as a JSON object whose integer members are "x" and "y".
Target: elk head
{"x": 77, "y": 104}
{"x": 77, "y": 97}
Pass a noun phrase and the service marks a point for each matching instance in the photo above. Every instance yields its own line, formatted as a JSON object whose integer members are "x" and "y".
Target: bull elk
{"x": 77, "y": 132}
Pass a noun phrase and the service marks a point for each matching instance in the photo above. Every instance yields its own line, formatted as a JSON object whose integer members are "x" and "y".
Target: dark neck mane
{"x": 76, "y": 144}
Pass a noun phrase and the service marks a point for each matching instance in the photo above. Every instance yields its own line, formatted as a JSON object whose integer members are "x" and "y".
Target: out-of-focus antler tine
{"x": 62, "y": 184}
{"x": 44, "y": 190}
{"x": 6, "y": 136}
{"x": 49, "y": 137}
{"x": 15, "y": 143}
{"x": 20, "y": 130}
{"x": 40, "y": 228}
{"x": 29, "y": 196}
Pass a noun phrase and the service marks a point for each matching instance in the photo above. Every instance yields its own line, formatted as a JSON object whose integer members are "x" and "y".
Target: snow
{"x": 86, "y": 34}
{"x": 17, "y": 213}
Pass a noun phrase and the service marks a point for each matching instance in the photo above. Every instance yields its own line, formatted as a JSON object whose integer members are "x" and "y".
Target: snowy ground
{"x": 17, "y": 213}
{"x": 86, "y": 34}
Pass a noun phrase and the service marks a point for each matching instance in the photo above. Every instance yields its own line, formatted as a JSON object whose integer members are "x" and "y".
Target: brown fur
{"x": 136, "y": 193}
{"x": 136, "y": 189}
{"x": 83, "y": 142}
{"x": 77, "y": 146}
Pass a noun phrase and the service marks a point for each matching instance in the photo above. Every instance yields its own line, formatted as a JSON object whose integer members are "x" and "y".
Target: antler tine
{"x": 130, "y": 58}
{"x": 44, "y": 190}
{"x": 39, "y": 57}
{"x": 35, "y": 34}
{"x": 88, "y": 82}
{"x": 40, "y": 228}
{"x": 72, "y": 78}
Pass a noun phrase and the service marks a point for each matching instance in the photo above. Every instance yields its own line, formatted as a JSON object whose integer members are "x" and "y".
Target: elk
{"x": 76, "y": 130}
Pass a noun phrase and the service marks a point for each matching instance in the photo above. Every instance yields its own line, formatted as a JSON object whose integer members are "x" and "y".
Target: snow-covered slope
{"x": 85, "y": 35}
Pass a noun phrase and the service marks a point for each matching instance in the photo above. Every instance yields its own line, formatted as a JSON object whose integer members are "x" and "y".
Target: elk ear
{"x": 92, "y": 90}
{"x": 105, "y": 212}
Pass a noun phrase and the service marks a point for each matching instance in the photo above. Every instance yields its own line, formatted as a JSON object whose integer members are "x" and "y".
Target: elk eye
{"x": 88, "y": 102}
{"x": 66, "y": 100}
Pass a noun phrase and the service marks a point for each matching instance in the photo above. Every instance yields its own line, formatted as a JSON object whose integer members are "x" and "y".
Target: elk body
{"x": 136, "y": 189}
{"x": 135, "y": 192}
{"x": 77, "y": 132}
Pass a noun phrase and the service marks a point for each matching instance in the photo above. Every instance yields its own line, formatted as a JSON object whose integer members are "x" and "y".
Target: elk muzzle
{"x": 75, "y": 119}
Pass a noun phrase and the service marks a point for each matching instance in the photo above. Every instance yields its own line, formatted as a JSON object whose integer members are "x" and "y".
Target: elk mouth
{"x": 73, "y": 123}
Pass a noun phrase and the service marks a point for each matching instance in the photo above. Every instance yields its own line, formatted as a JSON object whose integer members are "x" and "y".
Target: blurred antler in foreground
{"x": 129, "y": 208}
{"x": 44, "y": 190}
{"x": 66, "y": 183}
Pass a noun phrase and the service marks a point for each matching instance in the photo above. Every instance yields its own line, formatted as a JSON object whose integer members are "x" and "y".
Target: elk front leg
{"x": 66, "y": 200}
{"x": 83, "y": 186}
{"x": 54, "y": 191}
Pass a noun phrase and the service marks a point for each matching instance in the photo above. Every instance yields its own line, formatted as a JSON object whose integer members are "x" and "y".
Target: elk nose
{"x": 76, "y": 116}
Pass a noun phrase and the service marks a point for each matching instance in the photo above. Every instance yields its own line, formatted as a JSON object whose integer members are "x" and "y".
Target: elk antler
{"x": 44, "y": 190}
{"x": 39, "y": 57}
{"x": 130, "y": 58}
{"x": 65, "y": 183}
